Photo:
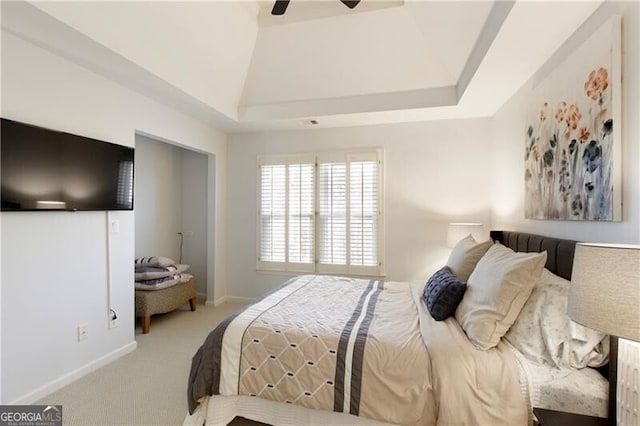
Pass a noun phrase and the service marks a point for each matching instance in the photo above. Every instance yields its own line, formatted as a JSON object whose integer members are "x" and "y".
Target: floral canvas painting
{"x": 572, "y": 151}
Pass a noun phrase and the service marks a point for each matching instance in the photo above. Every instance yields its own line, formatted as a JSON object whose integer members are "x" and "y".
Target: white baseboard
{"x": 58, "y": 383}
{"x": 224, "y": 299}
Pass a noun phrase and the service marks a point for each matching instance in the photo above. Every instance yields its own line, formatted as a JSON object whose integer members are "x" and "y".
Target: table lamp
{"x": 605, "y": 295}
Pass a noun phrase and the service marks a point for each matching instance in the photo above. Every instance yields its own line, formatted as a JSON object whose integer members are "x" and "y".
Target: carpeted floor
{"x": 147, "y": 386}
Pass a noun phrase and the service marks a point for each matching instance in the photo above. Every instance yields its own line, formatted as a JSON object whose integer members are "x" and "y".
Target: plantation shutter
{"x": 363, "y": 212}
{"x": 272, "y": 213}
{"x": 332, "y": 215}
{"x": 350, "y": 231}
{"x": 301, "y": 213}
{"x": 286, "y": 213}
{"x": 321, "y": 213}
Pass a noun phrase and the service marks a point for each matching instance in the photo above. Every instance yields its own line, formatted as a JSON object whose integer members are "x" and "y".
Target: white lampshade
{"x": 605, "y": 289}
{"x": 459, "y": 230}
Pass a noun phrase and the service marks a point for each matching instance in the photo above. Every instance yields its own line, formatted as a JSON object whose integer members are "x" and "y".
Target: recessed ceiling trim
{"x": 481, "y": 88}
{"x": 498, "y": 14}
{"x": 411, "y": 99}
{"x": 396, "y": 101}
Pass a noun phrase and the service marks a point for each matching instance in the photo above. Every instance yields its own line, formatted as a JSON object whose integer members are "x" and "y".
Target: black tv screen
{"x": 44, "y": 169}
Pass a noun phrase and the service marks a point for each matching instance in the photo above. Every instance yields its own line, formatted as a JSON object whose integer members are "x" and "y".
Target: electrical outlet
{"x": 83, "y": 332}
{"x": 113, "y": 319}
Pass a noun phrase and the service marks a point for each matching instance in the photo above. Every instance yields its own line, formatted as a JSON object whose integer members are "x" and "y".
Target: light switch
{"x": 115, "y": 226}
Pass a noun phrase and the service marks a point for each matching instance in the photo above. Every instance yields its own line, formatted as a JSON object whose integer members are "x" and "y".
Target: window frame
{"x": 374, "y": 154}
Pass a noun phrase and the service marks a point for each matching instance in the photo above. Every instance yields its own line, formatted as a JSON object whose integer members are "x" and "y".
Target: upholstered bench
{"x": 151, "y": 302}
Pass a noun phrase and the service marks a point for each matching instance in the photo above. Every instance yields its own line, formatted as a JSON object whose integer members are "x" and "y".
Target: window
{"x": 321, "y": 213}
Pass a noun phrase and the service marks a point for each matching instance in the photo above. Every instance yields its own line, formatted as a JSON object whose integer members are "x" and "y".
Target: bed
{"x": 325, "y": 349}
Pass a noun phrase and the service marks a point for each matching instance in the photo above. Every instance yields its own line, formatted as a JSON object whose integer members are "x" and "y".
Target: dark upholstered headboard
{"x": 559, "y": 252}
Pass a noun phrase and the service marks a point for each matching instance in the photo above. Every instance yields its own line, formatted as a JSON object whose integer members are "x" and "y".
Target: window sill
{"x": 284, "y": 273}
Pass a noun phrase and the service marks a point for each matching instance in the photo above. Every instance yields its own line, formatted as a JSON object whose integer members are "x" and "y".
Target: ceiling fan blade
{"x": 280, "y": 7}
{"x": 350, "y": 3}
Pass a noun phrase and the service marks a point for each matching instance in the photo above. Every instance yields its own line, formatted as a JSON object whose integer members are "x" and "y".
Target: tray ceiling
{"x": 234, "y": 65}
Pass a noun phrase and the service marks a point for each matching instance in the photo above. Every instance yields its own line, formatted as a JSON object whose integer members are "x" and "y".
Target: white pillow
{"x": 496, "y": 292}
{"x": 465, "y": 255}
{"x": 545, "y": 334}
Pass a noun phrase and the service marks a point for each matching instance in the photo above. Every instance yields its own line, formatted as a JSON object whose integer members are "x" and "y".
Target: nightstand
{"x": 559, "y": 418}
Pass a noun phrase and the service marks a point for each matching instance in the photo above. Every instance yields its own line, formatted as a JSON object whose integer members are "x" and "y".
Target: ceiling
{"x": 234, "y": 65}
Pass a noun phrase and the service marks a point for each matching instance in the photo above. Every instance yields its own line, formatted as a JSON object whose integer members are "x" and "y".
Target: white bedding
{"x": 584, "y": 391}
{"x": 555, "y": 352}
{"x": 458, "y": 384}
{"x": 486, "y": 384}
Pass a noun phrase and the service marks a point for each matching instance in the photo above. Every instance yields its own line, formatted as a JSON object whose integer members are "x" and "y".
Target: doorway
{"x": 171, "y": 205}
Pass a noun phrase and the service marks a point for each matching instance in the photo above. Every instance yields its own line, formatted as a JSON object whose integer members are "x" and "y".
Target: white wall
{"x": 54, "y": 264}
{"x": 158, "y": 183}
{"x": 435, "y": 172}
{"x": 508, "y": 127}
{"x": 164, "y": 36}
{"x": 194, "y": 216}
{"x": 171, "y": 197}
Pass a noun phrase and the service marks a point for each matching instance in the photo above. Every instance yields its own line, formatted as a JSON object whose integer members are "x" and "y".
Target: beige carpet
{"x": 147, "y": 386}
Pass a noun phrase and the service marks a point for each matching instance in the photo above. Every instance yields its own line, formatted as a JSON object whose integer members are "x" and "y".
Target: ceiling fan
{"x": 280, "y": 6}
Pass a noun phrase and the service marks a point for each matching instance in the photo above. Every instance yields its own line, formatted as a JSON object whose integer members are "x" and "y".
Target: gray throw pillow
{"x": 154, "y": 272}
{"x": 443, "y": 293}
{"x": 155, "y": 261}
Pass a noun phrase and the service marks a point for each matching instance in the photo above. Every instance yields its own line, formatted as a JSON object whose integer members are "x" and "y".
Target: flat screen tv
{"x": 44, "y": 169}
